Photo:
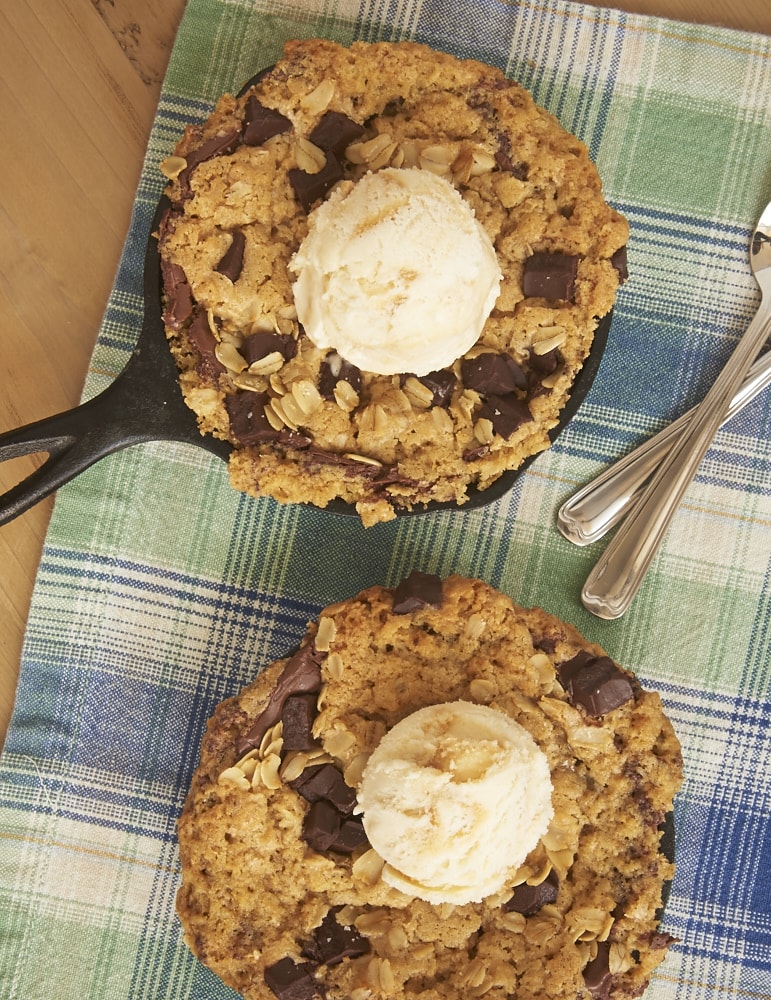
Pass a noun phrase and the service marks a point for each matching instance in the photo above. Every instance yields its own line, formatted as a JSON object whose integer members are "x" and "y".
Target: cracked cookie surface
{"x": 282, "y": 894}
{"x": 305, "y": 425}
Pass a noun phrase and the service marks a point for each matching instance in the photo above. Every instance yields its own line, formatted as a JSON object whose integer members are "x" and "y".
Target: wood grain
{"x": 79, "y": 86}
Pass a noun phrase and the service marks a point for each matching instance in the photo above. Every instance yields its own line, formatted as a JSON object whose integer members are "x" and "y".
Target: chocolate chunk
{"x": 335, "y": 369}
{"x": 233, "y": 259}
{"x": 659, "y": 940}
{"x": 544, "y": 364}
{"x": 550, "y": 276}
{"x": 472, "y": 454}
{"x": 292, "y": 980}
{"x": 363, "y": 469}
{"x": 417, "y": 591}
{"x": 261, "y": 123}
{"x": 333, "y": 941}
{"x": 248, "y": 423}
{"x": 260, "y": 345}
{"x": 546, "y": 643}
{"x": 199, "y": 332}
{"x": 597, "y": 974}
{"x": 215, "y": 146}
{"x": 301, "y": 675}
{"x": 389, "y": 474}
{"x": 321, "y": 826}
{"x": 492, "y": 373}
{"x": 297, "y": 717}
{"x": 179, "y": 297}
{"x": 334, "y": 132}
{"x": 325, "y": 782}
{"x": 326, "y": 829}
{"x": 309, "y": 188}
{"x": 504, "y": 161}
{"x": 595, "y": 683}
{"x": 218, "y": 144}
{"x": 350, "y": 837}
{"x": 506, "y": 413}
{"x": 528, "y": 899}
{"x": 441, "y": 383}
{"x": 618, "y": 260}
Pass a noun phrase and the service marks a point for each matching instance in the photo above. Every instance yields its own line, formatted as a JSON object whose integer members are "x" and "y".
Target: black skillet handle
{"x": 74, "y": 440}
{"x": 144, "y": 403}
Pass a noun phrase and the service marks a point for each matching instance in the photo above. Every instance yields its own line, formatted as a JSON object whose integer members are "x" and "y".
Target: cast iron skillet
{"x": 144, "y": 403}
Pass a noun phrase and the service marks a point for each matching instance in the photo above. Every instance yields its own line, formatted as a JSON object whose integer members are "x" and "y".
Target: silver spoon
{"x": 597, "y": 507}
{"x": 616, "y": 578}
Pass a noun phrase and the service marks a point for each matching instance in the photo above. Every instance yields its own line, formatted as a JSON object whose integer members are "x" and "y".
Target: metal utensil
{"x": 599, "y": 505}
{"x": 616, "y": 578}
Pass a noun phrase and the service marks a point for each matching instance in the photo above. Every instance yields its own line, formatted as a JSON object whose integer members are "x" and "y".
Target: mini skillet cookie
{"x": 282, "y": 894}
{"x": 306, "y": 423}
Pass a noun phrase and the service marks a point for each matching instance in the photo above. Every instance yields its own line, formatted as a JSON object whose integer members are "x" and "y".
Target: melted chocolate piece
{"x": 326, "y": 829}
{"x": 642, "y": 801}
{"x": 595, "y": 683}
{"x": 328, "y": 824}
{"x": 506, "y": 413}
{"x": 504, "y": 161}
{"x": 261, "y": 123}
{"x": 660, "y": 939}
{"x": 528, "y": 899}
{"x": 335, "y": 369}
{"x": 215, "y": 146}
{"x": 325, "y": 782}
{"x": 550, "y": 276}
{"x": 179, "y": 297}
{"x": 301, "y": 675}
{"x": 618, "y": 260}
{"x": 297, "y": 717}
{"x": 248, "y": 423}
{"x": 321, "y": 826}
{"x": 544, "y": 364}
{"x": 309, "y": 188}
{"x": 350, "y": 837}
{"x": 597, "y": 974}
{"x": 441, "y": 383}
{"x": 333, "y": 941}
{"x": 334, "y": 132}
{"x": 233, "y": 259}
{"x": 472, "y": 454}
{"x": 293, "y": 980}
{"x": 260, "y": 345}
{"x": 205, "y": 343}
{"x": 492, "y": 373}
{"x": 390, "y": 474}
{"x": 417, "y": 591}
{"x": 363, "y": 470}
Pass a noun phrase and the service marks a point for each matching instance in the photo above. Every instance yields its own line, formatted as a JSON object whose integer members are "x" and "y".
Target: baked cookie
{"x": 307, "y": 424}
{"x": 283, "y": 894}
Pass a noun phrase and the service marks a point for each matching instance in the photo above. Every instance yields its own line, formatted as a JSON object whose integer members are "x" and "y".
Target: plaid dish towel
{"x": 161, "y": 591}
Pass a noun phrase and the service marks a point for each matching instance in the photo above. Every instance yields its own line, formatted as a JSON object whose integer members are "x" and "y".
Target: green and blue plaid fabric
{"x": 161, "y": 591}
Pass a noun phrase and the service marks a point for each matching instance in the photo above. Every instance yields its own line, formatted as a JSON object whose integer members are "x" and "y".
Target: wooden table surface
{"x": 81, "y": 80}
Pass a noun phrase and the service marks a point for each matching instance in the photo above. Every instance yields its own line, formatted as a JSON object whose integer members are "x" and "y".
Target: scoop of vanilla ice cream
{"x": 395, "y": 274}
{"x": 454, "y": 798}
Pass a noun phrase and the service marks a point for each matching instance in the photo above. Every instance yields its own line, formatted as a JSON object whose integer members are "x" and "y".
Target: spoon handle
{"x": 597, "y": 507}
{"x": 616, "y": 578}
